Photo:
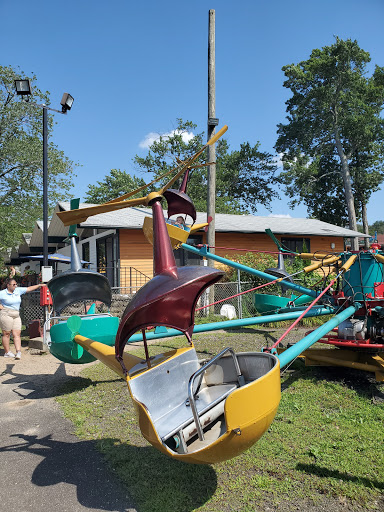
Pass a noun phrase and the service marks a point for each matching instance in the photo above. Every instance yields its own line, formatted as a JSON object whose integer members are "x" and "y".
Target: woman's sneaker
{"x": 18, "y": 355}
{"x": 9, "y": 354}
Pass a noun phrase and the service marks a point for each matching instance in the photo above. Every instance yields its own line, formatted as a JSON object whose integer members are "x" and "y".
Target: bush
{"x": 258, "y": 261}
{"x": 262, "y": 262}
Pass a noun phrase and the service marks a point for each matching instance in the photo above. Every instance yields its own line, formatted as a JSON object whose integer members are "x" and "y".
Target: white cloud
{"x": 281, "y": 215}
{"x": 278, "y": 159}
{"x": 151, "y": 137}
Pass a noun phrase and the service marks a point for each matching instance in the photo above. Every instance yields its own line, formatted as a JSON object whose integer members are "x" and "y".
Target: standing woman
{"x": 10, "y": 321}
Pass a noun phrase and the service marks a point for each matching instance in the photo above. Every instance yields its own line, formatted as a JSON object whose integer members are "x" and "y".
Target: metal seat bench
{"x": 177, "y": 398}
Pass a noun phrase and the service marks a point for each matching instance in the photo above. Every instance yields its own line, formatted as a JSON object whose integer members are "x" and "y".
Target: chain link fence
{"x": 30, "y": 308}
{"x": 240, "y": 307}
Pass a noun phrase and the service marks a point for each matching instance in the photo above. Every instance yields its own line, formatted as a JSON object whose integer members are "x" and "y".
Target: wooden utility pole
{"x": 212, "y": 123}
{"x": 211, "y": 151}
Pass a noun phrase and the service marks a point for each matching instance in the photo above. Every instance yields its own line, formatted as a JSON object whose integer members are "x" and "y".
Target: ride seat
{"x": 165, "y": 390}
{"x": 207, "y": 400}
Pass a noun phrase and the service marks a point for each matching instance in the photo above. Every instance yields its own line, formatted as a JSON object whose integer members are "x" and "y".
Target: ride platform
{"x": 347, "y": 358}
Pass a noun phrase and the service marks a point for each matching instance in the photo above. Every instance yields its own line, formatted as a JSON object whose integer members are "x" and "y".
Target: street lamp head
{"x": 23, "y": 87}
{"x": 66, "y": 102}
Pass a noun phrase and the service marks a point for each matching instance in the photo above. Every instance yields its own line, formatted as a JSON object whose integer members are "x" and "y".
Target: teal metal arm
{"x": 232, "y": 324}
{"x": 268, "y": 277}
{"x": 295, "y": 350}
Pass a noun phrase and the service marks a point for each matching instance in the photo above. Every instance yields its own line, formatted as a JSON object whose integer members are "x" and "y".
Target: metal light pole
{"x": 45, "y": 187}
{"x": 23, "y": 88}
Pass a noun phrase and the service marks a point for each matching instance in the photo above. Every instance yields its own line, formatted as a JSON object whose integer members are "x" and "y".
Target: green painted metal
{"x": 265, "y": 303}
{"x": 362, "y": 275}
{"x": 295, "y": 350}
{"x": 263, "y": 275}
{"x": 97, "y": 328}
{"x": 271, "y": 235}
{"x": 74, "y": 206}
{"x": 303, "y": 299}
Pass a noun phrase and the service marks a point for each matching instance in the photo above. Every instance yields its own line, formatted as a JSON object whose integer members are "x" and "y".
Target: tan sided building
{"x": 114, "y": 242}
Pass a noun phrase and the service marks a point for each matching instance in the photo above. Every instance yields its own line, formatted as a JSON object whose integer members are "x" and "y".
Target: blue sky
{"x": 135, "y": 67}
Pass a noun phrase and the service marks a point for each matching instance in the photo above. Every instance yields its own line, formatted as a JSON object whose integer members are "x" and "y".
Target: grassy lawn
{"x": 322, "y": 452}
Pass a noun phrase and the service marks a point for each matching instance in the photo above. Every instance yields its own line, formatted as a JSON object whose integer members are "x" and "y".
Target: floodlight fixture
{"x": 66, "y": 102}
{"x": 23, "y": 87}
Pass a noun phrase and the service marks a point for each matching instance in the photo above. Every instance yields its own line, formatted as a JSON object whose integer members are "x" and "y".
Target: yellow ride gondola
{"x": 199, "y": 413}
{"x": 177, "y": 235}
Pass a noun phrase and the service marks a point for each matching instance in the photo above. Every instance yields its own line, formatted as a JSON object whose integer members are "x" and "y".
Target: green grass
{"x": 322, "y": 450}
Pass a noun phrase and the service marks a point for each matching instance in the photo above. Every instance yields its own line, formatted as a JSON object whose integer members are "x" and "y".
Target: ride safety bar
{"x": 200, "y": 372}
{"x": 47, "y": 323}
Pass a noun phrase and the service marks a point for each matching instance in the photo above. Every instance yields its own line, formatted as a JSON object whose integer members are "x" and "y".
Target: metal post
{"x": 45, "y": 201}
{"x": 45, "y": 187}
{"x": 239, "y": 298}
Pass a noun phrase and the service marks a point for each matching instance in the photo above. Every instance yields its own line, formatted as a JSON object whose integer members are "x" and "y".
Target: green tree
{"x": 114, "y": 185}
{"x": 244, "y": 178}
{"x": 334, "y": 111}
{"x": 367, "y": 172}
{"x": 318, "y": 184}
{"x": 21, "y": 153}
{"x": 378, "y": 227}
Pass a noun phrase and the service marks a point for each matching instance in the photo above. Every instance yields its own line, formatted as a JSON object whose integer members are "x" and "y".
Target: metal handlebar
{"x": 199, "y": 372}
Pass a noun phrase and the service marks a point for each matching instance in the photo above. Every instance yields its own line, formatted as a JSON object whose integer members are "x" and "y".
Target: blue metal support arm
{"x": 231, "y": 324}
{"x": 268, "y": 277}
{"x": 292, "y": 352}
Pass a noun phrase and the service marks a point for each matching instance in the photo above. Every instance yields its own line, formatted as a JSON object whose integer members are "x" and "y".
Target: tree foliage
{"x": 333, "y": 114}
{"x": 21, "y": 152}
{"x": 244, "y": 177}
{"x": 318, "y": 183}
{"x": 377, "y": 227}
{"x": 116, "y": 184}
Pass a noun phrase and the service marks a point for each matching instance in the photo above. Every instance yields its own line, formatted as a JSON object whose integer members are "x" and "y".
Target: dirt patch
{"x": 38, "y": 372}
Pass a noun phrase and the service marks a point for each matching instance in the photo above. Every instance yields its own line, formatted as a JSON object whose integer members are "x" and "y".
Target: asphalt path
{"x": 43, "y": 466}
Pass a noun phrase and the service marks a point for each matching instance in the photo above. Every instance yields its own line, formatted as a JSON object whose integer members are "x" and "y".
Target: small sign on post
{"x": 46, "y": 274}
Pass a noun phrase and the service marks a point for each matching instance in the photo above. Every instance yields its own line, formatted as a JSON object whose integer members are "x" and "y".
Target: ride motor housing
{"x": 352, "y": 329}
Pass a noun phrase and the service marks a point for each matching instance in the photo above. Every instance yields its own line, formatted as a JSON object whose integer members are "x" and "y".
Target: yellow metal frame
{"x": 177, "y": 235}
{"x": 248, "y": 410}
{"x": 358, "y": 360}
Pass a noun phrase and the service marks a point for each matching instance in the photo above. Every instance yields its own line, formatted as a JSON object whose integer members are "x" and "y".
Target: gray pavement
{"x": 42, "y": 465}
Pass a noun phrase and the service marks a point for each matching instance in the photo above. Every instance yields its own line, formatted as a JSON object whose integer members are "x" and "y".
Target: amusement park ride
{"x": 205, "y": 413}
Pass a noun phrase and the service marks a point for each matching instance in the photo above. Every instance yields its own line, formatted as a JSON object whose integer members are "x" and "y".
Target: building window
{"x": 85, "y": 251}
{"x": 296, "y": 244}
{"x": 106, "y": 255}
